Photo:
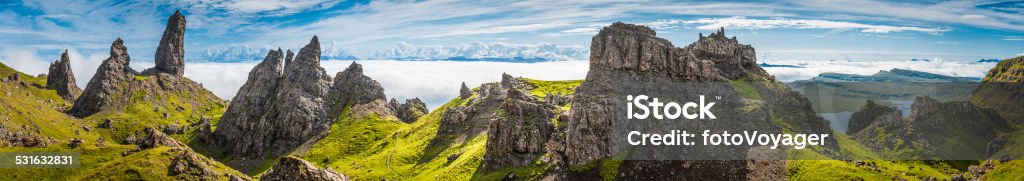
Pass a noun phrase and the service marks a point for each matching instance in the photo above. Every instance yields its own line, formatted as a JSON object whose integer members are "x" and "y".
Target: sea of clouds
{"x": 438, "y": 81}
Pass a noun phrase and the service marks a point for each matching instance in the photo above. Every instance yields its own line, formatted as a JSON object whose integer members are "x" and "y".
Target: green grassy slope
{"x": 375, "y": 147}
{"x": 31, "y": 107}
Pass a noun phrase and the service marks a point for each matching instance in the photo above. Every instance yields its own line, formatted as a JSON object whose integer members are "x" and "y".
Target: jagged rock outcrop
{"x": 170, "y": 54}
{"x": 104, "y": 89}
{"x": 518, "y": 136}
{"x": 468, "y": 120}
{"x": 410, "y": 111}
{"x": 954, "y": 130}
{"x": 620, "y": 50}
{"x": 352, "y": 88}
{"x": 241, "y": 126}
{"x": 62, "y": 79}
{"x": 624, "y": 54}
{"x": 292, "y": 168}
{"x": 870, "y": 113}
{"x": 276, "y": 110}
{"x": 465, "y": 92}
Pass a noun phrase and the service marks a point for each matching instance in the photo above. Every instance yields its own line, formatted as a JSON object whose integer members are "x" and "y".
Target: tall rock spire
{"x": 61, "y": 79}
{"x": 104, "y": 85}
{"x": 170, "y": 54}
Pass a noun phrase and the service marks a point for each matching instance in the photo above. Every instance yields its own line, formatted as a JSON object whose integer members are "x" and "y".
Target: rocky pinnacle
{"x": 104, "y": 84}
{"x": 171, "y": 51}
{"x": 62, "y": 79}
{"x": 464, "y": 91}
{"x": 276, "y": 110}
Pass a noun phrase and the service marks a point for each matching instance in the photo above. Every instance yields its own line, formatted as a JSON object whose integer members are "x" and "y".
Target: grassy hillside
{"x": 27, "y": 106}
{"x": 375, "y": 147}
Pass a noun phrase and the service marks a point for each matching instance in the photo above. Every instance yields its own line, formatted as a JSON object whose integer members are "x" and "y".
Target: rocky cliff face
{"x": 278, "y": 108}
{"x": 352, "y": 88}
{"x": 170, "y": 54}
{"x": 624, "y": 53}
{"x": 409, "y": 111}
{"x": 518, "y": 135}
{"x": 619, "y": 52}
{"x": 62, "y": 79}
{"x": 104, "y": 89}
{"x": 240, "y": 128}
{"x": 1003, "y": 90}
{"x": 291, "y": 168}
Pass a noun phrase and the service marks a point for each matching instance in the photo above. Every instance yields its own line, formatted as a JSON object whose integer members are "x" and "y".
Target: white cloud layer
{"x": 435, "y": 82}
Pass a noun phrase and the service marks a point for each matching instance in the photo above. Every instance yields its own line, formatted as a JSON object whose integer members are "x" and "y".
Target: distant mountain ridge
{"x": 242, "y": 53}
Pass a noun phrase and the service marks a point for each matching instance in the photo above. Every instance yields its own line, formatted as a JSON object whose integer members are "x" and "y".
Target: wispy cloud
{"x": 955, "y": 12}
{"x": 1014, "y": 38}
{"x": 739, "y": 22}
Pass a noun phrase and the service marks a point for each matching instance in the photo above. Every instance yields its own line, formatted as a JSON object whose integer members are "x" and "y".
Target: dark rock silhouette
{"x": 170, "y": 54}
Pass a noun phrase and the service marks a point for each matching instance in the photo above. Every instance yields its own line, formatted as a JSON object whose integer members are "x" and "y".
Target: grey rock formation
{"x": 624, "y": 53}
{"x": 241, "y": 126}
{"x": 410, "y": 111}
{"x": 465, "y": 92}
{"x": 170, "y": 54}
{"x": 300, "y": 109}
{"x": 870, "y": 113}
{"x": 519, "y": 136}
{"x": 103, "y": 89}
{"x": 62, "y": 79}
{"x": 157, "y": 138}
{"x": 292, "y": 168}
{"x": 276, "y": 110}
{"x": 352, "y": 88}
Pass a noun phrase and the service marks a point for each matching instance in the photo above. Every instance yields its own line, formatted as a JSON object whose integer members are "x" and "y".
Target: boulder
{"x": 292, "y": 168}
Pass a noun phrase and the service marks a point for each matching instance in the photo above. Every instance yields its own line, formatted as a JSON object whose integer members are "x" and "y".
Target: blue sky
{"x": 779, "y": 30}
